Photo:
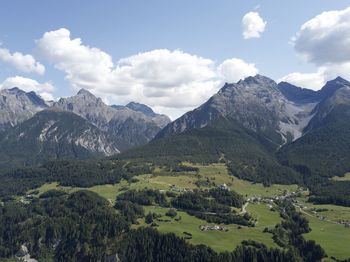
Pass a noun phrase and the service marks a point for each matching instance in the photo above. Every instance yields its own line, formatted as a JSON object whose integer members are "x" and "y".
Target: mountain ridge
{"x": 53, "y": 134}
{"x": 17, "y": 106}
{"x": 257, "y": 103}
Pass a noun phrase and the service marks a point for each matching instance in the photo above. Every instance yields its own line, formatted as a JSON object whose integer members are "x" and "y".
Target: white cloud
{"x": 235, "y": 69}
{"x": 307, "y": 80}
{"x": 23, "y": 63}
{"x": 325, "y": 38}
{"x": 46, "y": 96}
{"x": 27, "y": 84}
{"x": 170, "y": 81}
{"x": 253, "y": 25}
{"x": 324, "y": 41}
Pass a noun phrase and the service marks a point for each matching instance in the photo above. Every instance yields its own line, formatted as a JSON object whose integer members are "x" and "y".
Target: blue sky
{"x": 207, "y": 29}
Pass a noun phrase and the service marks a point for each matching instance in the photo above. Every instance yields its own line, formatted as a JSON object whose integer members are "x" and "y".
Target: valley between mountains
{"x": 261, "y": 169}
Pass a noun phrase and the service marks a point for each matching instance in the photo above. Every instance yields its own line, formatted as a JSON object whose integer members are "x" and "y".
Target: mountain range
{"x": 82, "y": 126}
{"x": 265, "y": 131}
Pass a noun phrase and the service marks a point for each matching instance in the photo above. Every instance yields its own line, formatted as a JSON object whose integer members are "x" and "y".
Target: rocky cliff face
{"x": 334, "y": 94}
{"x": 159, "y": 119}
{"x": 128, "y": 126}
{"x": 256, "y": 103}
{"x": 52, "y": 134}
{"x": 17, "y": 106}
{"x": 81, "y": 126}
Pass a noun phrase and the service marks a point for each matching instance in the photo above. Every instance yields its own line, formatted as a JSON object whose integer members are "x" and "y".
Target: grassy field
{"x": 346, "y": 177}
{"x": 334, "y": 238}
{"x": 217, "y": 174}
{"x": 333, "y": 213}
{"x": 219, "y": 240}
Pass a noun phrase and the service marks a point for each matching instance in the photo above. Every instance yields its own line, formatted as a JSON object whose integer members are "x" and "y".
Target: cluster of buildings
{"x": 270, "y": 200}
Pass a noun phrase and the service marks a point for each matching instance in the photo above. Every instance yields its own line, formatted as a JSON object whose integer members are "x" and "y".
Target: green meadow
{"x": 219, "y": 240}
{"x": 334, "y": 238}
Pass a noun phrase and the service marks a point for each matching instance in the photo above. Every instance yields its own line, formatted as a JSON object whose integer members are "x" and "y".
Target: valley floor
{"x": 328, "y": 222}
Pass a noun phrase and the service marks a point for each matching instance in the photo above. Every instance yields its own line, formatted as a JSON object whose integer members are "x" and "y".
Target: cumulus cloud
{"x": 253, "y": 25}
{"x": 325, "y": 38}
{"x": 235, "y": 69}
{"x": 307, "y": 80}
{"x": 27, "y": 84}
{"x": 323, "y": 41}
{"x": 23, "y": 63}
{"x": 172, "y": 82}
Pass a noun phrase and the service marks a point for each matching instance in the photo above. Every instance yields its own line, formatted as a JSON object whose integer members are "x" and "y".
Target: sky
{"x": 170, "y": 55}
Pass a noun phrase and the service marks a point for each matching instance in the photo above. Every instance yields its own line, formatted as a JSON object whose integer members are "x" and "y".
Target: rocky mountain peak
{"x": 17, "y": 106}
{"x": 258, "y": 80}
{"x": 339, "y": 79}
{"x": 256, "y": 103}
{"x": 336, "y": 84}
{"x": 141, "y": 108}
{"x": 332, "y": 86}
{"x": 84, "y": 92}
{"x": 86, "y": 95}
{"x": 15, "y": 90}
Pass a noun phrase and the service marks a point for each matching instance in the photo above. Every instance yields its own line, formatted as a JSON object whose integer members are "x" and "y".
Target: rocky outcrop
{"x": 17, "y": 106}
{"x": 23, "y": 255}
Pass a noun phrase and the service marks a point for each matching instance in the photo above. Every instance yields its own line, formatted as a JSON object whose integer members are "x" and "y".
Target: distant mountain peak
{"x": 84, "y": 92}
{"x": 337, "y": 81}
{"x": 15, "y": 89}
{"x": 333, "y": 85}
{"x": 17, "y": 106}
{"x": 257, "y": 79}
{"x": 141, "y": 108}
{"x": 340, "y": 79}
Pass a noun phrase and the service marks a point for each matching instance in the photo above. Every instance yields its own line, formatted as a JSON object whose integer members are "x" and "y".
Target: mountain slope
{"x": 129, "y": 127}
{"x": 297, "y": 94}
{"x": 257, "y": 104}
{"x": 53, "y": 135}
{"x": 334, "y": 93}
{"x": 325, "y": 148}
{"x": 303, "y": 95}
{"x": 310, "y": 129}
{"x": 17, "y": 106}
{"x": 248, "y": 155}
{"x": 160, "y": 119}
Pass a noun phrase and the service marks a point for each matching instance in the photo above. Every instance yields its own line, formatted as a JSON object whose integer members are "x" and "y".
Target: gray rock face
{"x": 257, "y": 104}
{"x": 129, "y": 127}
{"x": 23, "y": 255}
{"x": 17, "y": 106}
{"x": 141, "y": 108}
{"x": 126, "y": 126}
{"x": 52, "y": 134}
{"x": 335, "y": 93}
{"x": 160, "y": 119}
